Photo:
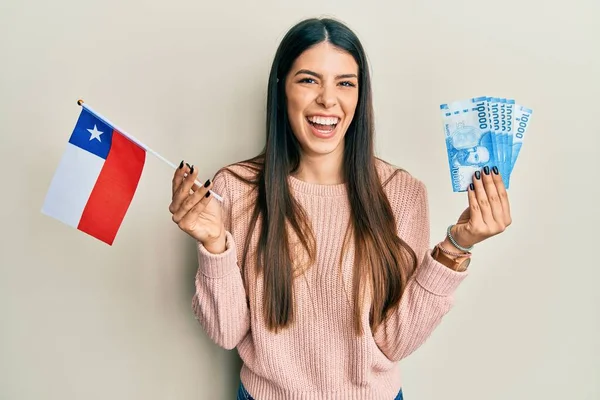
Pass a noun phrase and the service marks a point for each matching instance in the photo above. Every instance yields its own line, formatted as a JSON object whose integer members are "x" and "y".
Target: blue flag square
{"x": 92, "y": 134}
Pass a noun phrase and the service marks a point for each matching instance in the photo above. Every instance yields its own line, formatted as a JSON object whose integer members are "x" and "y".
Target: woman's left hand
{"x": 488, "y": 213}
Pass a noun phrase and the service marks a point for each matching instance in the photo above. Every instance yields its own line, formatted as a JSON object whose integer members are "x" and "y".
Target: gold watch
{"x": 458, "y": 264}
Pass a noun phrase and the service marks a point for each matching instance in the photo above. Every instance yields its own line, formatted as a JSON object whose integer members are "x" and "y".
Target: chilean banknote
{"x": 483, "y": 131}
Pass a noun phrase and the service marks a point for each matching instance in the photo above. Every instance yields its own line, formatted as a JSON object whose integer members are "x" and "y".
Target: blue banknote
{"x": 501, "y": 136}
{"x": 522, "y": 118}
{"x": 469, "y": 141}
{"x": 496, "y": 126}
{"x": 507, "y": 140}
{"x": 483, "y": 131}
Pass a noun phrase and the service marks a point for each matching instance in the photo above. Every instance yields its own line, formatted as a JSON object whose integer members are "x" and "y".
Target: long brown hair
{"x": 382, "y": 259}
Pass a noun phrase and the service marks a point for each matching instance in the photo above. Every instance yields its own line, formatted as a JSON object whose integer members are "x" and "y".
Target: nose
{"x": 327, "y": 97}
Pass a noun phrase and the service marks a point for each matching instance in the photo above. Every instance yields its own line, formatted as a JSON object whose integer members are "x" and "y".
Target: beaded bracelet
{"x": 467, "y": 249}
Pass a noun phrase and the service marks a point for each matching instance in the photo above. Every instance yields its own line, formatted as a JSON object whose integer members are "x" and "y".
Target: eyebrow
{"x": 309, "y": 72}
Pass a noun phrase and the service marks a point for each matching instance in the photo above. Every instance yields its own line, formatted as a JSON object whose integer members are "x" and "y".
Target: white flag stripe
{"x": 72, "y": 185}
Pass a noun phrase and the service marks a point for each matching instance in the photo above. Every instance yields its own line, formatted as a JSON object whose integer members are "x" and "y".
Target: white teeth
{"x": 324, "y": 120}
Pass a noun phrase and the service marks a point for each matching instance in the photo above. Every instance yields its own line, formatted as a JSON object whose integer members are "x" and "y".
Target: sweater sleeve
{"x": 219, "y": 301}
{"x": 428, "y": 294}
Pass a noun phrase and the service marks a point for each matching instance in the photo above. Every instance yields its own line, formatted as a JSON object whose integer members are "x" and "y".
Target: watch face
{"x": 465, "y": 264}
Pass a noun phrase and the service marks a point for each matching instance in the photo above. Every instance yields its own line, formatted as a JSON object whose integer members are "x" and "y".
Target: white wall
{"x": 81, "y": 320}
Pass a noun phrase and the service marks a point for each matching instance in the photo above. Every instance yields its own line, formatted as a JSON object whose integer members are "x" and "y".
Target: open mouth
{"x": 323, "y": 125}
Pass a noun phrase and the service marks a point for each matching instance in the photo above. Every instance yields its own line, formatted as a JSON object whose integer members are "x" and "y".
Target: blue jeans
{"x": 244, "y": 395}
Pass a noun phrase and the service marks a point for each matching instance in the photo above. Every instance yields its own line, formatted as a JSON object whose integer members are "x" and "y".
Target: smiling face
{"x": 322, "y": 94}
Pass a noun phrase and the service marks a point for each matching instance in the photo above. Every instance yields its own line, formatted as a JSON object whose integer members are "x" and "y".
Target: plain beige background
{"x": 82, "y": 320}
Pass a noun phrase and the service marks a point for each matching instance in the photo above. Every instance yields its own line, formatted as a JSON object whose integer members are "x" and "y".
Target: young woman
{"x": 316, "y": 266}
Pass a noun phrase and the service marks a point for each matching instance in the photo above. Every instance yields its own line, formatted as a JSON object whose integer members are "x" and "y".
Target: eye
{"x": 306, "y": 80}
{"x": 347, "y": 84}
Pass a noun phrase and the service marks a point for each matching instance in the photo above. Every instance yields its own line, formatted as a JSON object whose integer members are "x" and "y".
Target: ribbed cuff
{"x": 218, "y": 265}
{"x": 436, "y": 278}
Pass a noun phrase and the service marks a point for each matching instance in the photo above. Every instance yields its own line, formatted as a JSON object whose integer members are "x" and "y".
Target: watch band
{"x": 458, "y": 264}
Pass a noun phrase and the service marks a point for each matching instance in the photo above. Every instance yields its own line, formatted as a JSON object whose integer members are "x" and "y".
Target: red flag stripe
{"x": 114, "y": 189}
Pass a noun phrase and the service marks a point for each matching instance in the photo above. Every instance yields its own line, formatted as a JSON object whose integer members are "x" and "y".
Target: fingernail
{"x": 188, "y": 165}
{"x": 192, "y": 170}
{"x": 207, "y": 183}
{"x": 477, "y": 175}
{"x": 472, "y": 186}
{"x": 486, "y": 170}
{"x": 495, "y": 169}
{"x": 181, "y": 164}
{"x": 207, "y": 194}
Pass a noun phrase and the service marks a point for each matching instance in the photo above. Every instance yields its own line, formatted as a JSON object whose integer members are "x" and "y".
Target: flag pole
{"x": 133, "y": 139}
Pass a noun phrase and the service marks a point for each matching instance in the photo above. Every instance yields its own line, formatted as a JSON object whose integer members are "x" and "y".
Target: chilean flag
{"x": 96, "y": 179}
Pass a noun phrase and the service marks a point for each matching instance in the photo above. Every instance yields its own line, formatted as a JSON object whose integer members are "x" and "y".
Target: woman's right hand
{"x": 194, "y": 211}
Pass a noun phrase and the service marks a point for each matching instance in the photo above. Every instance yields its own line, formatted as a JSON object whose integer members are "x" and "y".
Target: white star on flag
{"x": 95, "y": 133}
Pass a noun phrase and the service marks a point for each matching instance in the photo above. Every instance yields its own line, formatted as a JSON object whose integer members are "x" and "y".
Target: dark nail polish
{"x": 495, "y": 169}
{"x": 486, "y": 170}
{"x": 181, "y": 164}
{"x": 188, "y": 165}
{"x": 207, "y": 194}
{"x": 207, "y": 183}
{"x": 477, "y": 175}
{"x": 472, "y": 186}
{"x": 192, "y": 170}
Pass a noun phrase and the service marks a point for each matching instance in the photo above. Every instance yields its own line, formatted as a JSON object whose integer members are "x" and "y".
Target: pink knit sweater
{"x": 319, "y": 356}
